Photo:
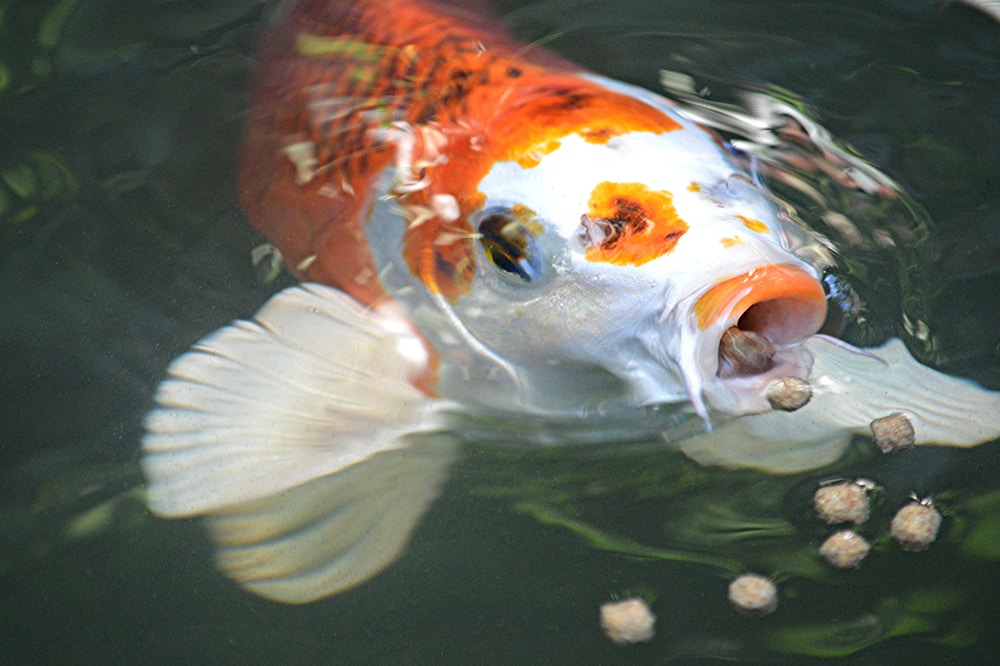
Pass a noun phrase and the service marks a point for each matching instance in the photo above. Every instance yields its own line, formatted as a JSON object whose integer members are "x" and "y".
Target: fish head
{"x": 632, "y": 255}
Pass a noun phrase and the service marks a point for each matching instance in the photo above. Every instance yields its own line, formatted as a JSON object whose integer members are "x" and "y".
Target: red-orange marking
{"x": 642, "y": 224}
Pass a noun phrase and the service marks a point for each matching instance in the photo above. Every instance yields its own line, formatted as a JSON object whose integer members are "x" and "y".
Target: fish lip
{"x": 782, "y": 302}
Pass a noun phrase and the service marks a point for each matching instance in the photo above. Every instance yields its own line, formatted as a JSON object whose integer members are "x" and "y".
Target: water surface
{"x": 122, "y": 243}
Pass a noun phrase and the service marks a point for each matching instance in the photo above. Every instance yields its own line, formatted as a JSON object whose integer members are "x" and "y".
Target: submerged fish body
{"x": 486, "y": 230}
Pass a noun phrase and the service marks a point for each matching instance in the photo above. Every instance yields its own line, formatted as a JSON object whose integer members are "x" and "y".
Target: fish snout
{"x": 755, "y": 323}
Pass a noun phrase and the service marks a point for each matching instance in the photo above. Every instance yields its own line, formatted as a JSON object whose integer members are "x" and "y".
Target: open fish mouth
{"x": 752, "y": 326}
{"x": 744, "y": 352}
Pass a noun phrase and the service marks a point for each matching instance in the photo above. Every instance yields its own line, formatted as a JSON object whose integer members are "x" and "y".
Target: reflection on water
{"x": 122, "y": 243}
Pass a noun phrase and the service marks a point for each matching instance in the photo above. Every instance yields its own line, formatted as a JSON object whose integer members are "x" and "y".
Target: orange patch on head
{"x": 601, "y": 136}
{"x": 542, "y": 115}
{"x": 440, "y": 254}
{"x": 528, "y": 218}
{"x": 732, "y": 241}
{"x": 754, "y": 225}
{"x": 694, "y": 187}
{"x": 630, "y": 224}
{"x": 532, "y": 159}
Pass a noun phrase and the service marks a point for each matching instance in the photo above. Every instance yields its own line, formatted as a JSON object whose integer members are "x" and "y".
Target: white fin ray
{"x": 291, "y": 433}
{"x": 849, "y": 391}
{"x": 854, "y": 389}
{"x": 334, "y": 532}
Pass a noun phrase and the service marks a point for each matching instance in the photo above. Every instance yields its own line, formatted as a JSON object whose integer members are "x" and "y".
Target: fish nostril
{"x": 744, "y": 352}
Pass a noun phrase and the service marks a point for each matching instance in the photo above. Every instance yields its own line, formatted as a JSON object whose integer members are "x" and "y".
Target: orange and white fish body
{"x": 489, "y": 231}
{"x": 537, "y": 224}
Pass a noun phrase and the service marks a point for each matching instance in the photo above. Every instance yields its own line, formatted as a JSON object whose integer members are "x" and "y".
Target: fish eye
{"x": 510, "y": 246}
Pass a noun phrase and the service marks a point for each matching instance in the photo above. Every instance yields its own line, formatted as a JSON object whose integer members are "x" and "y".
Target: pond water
{"x": 122, "y": 243}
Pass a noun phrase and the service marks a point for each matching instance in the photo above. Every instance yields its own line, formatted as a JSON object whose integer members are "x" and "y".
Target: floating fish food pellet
{"x": 628, "y": 621}
{"x": 893, "y": 432}
{"x": 845, "y": 549}
{"x": 753, "y": 594}
{"x": 789, "y": 393}
{"x": 916, "y": 525}
{"x": 845, "y": 502}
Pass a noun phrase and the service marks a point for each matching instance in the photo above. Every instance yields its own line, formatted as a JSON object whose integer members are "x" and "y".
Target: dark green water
{"x": 122, "y": 243}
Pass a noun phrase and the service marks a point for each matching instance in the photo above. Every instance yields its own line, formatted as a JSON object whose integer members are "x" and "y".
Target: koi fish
{"x": 492, "y": 240}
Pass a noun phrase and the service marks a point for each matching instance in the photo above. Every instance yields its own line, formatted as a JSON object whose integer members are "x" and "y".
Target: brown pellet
{"x": 893, "y": 432}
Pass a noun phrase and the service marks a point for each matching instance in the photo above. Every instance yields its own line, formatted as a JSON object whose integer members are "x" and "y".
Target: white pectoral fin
{"x": 333, "y": 532}
{"x": 278, "y": 430}
{"x": 853, "y": 389}
{"x": 850, "y": 390}
{"x": 769, "y": 442}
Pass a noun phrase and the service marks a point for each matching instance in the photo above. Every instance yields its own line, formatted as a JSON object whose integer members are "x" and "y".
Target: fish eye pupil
{"x": 509, "y": 246}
